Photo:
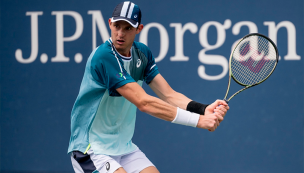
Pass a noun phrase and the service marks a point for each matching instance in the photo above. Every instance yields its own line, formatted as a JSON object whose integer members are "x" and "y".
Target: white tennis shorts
{"x": 96, "y": 163}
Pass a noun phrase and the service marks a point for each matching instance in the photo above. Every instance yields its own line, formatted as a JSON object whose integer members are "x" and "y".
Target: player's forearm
{"x": 177, "y": 99}
{"x": 157, "y": 108}
{"x": 146, "y": 103}
{"x": 163, "y": 90}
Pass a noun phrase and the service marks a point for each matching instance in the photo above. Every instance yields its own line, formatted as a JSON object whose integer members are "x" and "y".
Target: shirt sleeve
{"x": 151, "y": 69}
{"x": 109, "y": 71}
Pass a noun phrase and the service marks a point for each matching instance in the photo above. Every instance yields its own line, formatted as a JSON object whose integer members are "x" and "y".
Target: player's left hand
{"x": 219, "y": 106}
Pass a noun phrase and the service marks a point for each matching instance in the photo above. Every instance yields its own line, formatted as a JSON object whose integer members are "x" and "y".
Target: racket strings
{"x": 253, "y": 60}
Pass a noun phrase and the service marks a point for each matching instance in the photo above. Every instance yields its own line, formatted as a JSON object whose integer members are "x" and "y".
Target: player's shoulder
{"x": 104, "y": 52}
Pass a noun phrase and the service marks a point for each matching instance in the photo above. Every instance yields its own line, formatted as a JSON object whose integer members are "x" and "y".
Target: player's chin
{"x": 119, "y": 46}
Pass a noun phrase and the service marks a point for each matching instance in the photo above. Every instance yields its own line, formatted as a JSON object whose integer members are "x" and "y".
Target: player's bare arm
{"x": 146, "y": 103}
{"x": 163, "y": 110}
{"x": 163, "y": 90}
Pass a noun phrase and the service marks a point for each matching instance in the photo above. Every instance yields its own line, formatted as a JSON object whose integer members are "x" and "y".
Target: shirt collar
{"x": 125, "y": 58}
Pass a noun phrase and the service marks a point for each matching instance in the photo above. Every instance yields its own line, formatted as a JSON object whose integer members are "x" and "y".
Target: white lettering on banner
{"x": 206, "y": 59}
{"x": 97, "y": 18}
{"x": 237, "y": 28}
{"x": 164, "y": 39}
{"x": 213, "y": 59}
{"x": 291, "y": 35}
{"x": 60, "y": 39}
{"x": 34, "y": 39}
{"x": 179, "y": 40}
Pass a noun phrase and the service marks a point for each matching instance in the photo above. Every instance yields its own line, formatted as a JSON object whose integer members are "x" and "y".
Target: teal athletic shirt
{"x": 100, "y": 116}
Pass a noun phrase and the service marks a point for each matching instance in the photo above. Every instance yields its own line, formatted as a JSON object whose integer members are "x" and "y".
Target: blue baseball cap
{"x": 127, "y": 11}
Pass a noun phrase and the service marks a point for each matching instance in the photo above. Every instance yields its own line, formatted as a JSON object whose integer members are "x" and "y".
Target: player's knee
{"x": 120, "y": 170}
{"x": 150, "y": 169}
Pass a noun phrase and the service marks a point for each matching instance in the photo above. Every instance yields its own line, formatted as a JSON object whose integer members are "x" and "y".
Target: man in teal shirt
{"x": 103, "y": 116}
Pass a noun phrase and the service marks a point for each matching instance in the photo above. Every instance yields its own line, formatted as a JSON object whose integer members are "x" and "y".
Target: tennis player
{"x": 103, "y": 116}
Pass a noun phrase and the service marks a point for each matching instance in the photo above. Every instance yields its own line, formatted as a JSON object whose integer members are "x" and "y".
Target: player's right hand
{"x": 209, "y": 121}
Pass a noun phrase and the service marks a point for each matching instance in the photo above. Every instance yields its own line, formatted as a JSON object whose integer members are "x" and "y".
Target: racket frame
{"x": 231, "y": 75}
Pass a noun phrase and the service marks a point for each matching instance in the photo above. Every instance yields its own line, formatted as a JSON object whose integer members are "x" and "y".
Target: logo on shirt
{"x": 121, "y": 74}
{"x": 152, "y": 66}
{"x": 107, "y": 166}
{"x": 138, "y": 63}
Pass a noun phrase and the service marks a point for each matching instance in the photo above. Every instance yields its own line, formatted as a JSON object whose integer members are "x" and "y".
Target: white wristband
{"x": 186, "y": 118}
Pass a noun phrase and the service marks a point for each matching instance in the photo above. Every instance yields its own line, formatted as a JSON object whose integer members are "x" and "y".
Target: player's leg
{"x": 150, "y": 169}
{"x": 120, "y": 170}
{"x": 137, "y": 162}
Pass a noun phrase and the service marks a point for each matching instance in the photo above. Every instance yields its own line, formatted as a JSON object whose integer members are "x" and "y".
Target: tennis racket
{"x": 252, "y": 61}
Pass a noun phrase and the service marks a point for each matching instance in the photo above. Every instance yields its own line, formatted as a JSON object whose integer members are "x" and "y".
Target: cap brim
{"x": 130, "y": 21}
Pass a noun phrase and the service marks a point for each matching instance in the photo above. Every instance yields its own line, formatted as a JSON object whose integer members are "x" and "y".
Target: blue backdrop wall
{"x": 45, "y": 45}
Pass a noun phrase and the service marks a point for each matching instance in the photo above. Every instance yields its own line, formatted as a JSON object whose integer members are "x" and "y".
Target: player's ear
{"x": 139, "y": 28}
{"x": 110, "y": 21}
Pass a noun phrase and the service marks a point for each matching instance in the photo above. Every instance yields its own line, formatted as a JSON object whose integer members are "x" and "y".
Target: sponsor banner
{"x": 45, "y": 46}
